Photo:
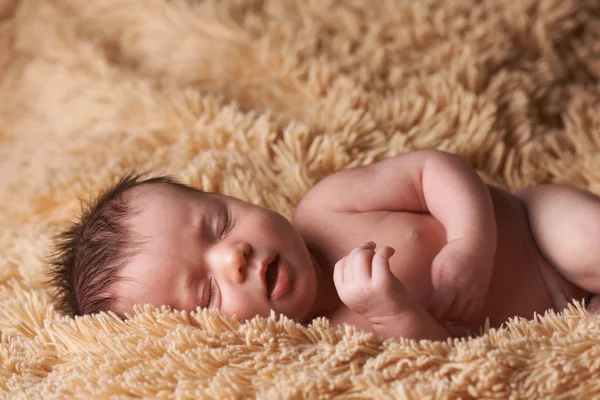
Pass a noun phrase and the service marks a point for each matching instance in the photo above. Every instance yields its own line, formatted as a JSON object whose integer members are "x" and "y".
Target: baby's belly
{"x": 524, "y": 282}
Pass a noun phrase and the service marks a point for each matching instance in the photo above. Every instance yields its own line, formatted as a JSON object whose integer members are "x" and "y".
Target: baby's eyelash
{"x": 210, "y": 292}
{"x": 225, "y": 224}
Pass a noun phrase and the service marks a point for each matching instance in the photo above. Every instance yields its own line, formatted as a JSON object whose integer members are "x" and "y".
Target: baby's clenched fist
{"x": 367, "y": 286}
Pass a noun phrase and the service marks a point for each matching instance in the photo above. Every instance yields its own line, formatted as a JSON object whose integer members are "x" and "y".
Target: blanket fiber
{"x": 261, "y": 99}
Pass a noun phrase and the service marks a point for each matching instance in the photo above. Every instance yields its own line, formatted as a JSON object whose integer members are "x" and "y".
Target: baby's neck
{"x": 327, "y": 300}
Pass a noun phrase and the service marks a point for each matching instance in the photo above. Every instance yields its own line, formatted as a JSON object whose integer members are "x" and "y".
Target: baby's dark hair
{"x": 90, "y": 253}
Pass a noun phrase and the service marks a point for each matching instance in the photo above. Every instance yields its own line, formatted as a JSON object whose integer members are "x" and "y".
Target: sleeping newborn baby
{"x": 415, "y": 246}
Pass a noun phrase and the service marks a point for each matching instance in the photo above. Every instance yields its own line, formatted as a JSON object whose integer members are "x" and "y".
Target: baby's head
{"x": 156, "y": 241}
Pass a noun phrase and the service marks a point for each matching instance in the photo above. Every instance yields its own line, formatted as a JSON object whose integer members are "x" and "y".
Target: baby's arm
{"x": 366, "y": 285}
{"x": 445, "y": 186}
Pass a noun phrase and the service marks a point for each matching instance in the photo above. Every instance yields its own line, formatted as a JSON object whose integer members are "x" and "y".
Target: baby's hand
{"x": 367, "y": 286}
{"x": 461, "y": 276}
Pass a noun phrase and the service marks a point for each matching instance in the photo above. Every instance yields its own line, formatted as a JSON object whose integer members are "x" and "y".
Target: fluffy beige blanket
{"x": 260, "y": 99}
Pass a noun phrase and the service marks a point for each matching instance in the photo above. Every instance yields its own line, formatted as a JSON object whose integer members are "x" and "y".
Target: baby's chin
{"x": 305, "y": 304}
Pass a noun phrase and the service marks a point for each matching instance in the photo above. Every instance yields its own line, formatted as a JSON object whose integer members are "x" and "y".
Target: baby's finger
{"x": 367, "y": 245}
{"x": 455, "y": 331}
{"x": 385, "y": 252}
{"x": 380, "y": 271}
{"x": 456, "y": 311}
{"x": 443, "y": 300}
{"x": 358, "y": 265}
{"x": 468, "y": 311}
{"x": 338, "y": 271}
{"x": 471, "y": 310}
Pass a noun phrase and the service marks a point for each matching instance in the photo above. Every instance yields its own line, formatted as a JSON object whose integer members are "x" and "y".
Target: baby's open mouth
{"x": 271, "y": 275}
{"x": 277, "y": 277}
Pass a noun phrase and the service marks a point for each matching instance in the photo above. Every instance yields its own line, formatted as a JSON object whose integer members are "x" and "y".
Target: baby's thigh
{"x": 565, "y": 222}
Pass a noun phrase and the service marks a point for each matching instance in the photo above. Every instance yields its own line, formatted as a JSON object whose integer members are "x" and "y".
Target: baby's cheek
{"x": 243, "y": 309}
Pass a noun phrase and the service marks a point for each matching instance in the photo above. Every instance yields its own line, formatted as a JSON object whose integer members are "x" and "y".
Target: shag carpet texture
{"x": 260, "y": 99}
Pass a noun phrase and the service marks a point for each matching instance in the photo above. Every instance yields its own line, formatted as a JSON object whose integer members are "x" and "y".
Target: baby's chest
{"x": 416, "y": 237}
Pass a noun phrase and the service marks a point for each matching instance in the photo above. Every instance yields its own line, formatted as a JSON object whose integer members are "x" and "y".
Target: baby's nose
{"x": 235, "y": 261}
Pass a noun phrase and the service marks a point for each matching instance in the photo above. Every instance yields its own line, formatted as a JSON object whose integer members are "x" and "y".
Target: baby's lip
{"x": 263, "y": 267}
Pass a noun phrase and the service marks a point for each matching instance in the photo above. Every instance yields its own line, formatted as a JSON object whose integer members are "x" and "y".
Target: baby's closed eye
{"x": 226, "y": 222}
{"x": 222, "y": 223}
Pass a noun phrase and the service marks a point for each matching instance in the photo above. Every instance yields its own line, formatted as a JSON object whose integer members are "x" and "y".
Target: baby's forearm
{"x": 461, "y": 201}
{"x": 414, "y": 323}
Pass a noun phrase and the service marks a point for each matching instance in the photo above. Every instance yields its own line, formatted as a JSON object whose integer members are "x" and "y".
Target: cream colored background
{"x": 261, "y": 99}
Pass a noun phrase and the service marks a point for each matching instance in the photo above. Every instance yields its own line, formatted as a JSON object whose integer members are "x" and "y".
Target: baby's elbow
{"x": 444, "y": 158}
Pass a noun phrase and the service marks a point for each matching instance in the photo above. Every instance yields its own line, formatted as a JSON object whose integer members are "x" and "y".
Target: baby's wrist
{"x": 400, "y": 316}
{"x": 392, "y": 309}
{"x": 394, "y": 325}
{"x": 415, "y": 323}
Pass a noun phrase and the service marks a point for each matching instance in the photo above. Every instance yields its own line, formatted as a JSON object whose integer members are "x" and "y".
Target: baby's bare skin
{"x": 517, "y": 287}
{"x": 525, "y": 253}
{"x": 416, "y": 246}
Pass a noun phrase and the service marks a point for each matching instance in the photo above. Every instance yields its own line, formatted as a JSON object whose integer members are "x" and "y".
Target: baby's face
{"x": 210, "y": 250}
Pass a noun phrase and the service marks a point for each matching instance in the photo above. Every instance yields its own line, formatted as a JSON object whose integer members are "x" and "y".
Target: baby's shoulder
{"x": 320, "y": 222}
{"x": 333, "y": 194}
{"x": 314, "y": 215}
{"x": 317, "y": 202}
